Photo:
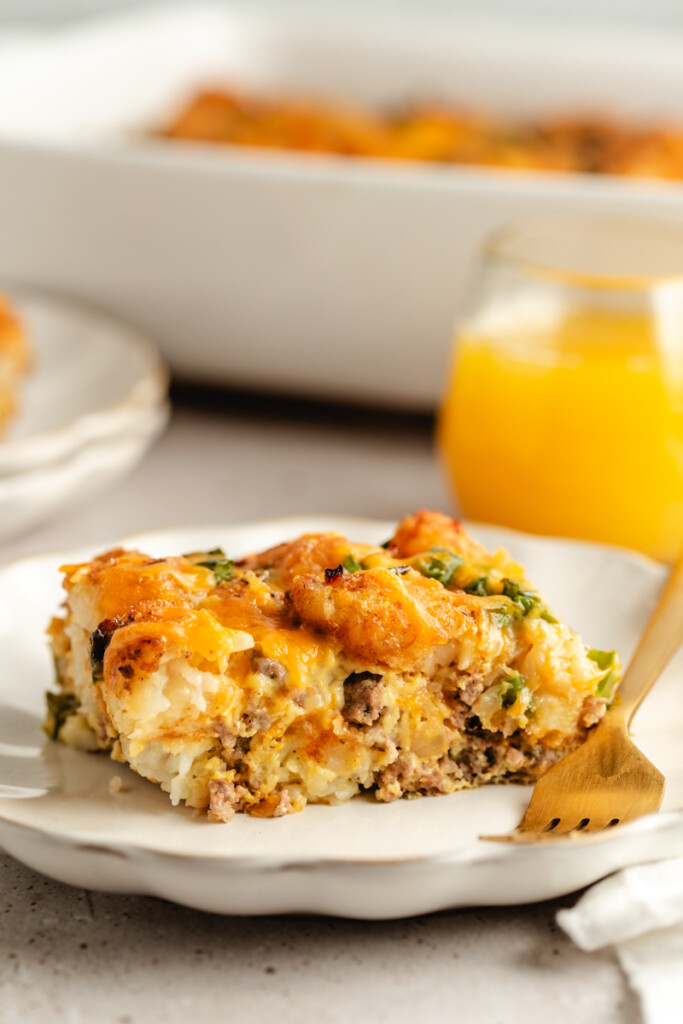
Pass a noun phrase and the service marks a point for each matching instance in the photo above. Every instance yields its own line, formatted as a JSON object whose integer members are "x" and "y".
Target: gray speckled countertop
{"x": 78, "y": 956}
{"x": 74, "y": 956}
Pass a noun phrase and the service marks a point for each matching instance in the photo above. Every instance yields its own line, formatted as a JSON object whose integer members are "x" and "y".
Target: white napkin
{"x": 640, "y": 912}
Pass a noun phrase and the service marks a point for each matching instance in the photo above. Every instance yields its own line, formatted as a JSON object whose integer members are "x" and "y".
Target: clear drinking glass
{"x": 563, "y": 414}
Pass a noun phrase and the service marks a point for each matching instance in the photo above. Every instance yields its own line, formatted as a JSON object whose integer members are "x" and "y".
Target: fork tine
{"x": 562, "y": 831}
{"x": 534, "y": 828}
{"x": 564, "y": 825}
{"x": 600, "y": 824}
{"x": 584, "y": 825}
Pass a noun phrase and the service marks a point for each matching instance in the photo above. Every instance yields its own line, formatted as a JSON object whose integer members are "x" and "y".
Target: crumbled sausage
{"x": 515, "y": 760}
{"x": 223, "y": 799}
{"x": 363, "y": 700}
{"x": 592, "y": 710}
{"x": 270, "y": 668}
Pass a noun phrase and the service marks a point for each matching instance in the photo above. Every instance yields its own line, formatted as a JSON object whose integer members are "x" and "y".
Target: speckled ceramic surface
{"x": 363, "y": 859}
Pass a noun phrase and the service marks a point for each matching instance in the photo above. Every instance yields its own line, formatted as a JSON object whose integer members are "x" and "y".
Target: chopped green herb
{"x": 605, "y": 662}
{"x": 603, "y": 659}
{"x": 512, "y": 687}
{"x": 223, "y": 570}
{"x": 547, "y": 617}
{"x": 606, "y": 686}
{"x": 503, "y": 616}
{"x": 440, "y": 564}
{"x": 480, "y": 587}
{"x": 351, "y": 564}
{"x": 221, "y": 567}
{"x": 59, "y": 707}
{"x": 526, "y": 599}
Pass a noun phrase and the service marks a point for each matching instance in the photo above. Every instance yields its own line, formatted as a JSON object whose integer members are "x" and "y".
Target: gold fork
{"x": 608, "y": 780}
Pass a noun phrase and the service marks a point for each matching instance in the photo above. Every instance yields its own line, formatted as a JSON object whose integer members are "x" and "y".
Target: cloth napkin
{"x": 640, "y": 912}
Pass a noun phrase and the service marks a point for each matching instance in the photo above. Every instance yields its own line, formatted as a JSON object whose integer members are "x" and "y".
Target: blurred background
{"x": 321, "y": 286}
{"x": 658, "y": 11}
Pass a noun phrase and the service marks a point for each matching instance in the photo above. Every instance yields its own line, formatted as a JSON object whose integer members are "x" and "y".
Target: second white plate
{"x": 92, "y": 377}
{"x": 91, "y": 406}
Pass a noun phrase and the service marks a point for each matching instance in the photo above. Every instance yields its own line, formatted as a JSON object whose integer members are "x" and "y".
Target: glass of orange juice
{"x": 563, "y": 413}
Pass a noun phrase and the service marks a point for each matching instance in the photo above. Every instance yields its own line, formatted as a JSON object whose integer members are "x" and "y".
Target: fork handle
{"x": 662, "y": 637}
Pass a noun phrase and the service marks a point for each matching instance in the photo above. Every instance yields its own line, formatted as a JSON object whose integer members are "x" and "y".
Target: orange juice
{"x": 573, "y": 427}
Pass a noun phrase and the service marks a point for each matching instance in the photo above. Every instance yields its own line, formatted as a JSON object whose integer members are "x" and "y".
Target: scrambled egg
{"x": 320, "y": 669}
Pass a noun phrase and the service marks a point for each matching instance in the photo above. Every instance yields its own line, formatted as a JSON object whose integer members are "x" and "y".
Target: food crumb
{"x": 116, "y": 785}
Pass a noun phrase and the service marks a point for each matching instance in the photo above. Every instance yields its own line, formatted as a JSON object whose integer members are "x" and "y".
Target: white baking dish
{"x": 309, "y": 274}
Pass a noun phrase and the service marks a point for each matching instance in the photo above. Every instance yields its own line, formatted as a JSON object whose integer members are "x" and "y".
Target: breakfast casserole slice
{"x": 14, "y": 360}
{"x": 320, "y": 669}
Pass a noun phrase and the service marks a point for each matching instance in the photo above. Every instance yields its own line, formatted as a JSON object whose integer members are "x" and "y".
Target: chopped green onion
{"x": 605, "y": 687}
{"x": 512, "y": 687}
{"x": 605, "y": 662}
{"x": 502, "y": 616}
{"x": 220, "y": 566}
{"x": 441, "y": 564}
{"x": 526, "y": 599}
{"x": 547, "y": 617}
{"x": 351, "y": 564}
{"x": 59, "y": 707}
{"x": 480, "y": 587}
{"x": 603, "y": 659}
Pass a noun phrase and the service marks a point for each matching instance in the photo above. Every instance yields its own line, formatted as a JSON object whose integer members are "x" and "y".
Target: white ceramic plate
{"x": 90, "y": 408}
{"x": 363, "y": 859}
